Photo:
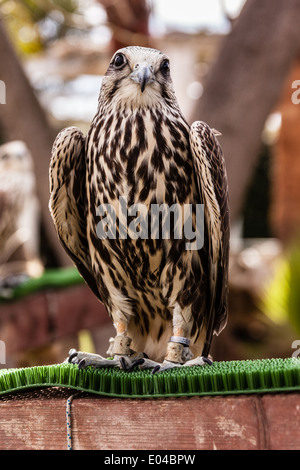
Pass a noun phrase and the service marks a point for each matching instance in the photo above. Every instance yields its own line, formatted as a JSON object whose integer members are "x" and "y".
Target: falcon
{"x": 165, "y": 295}
{"x": 19, "y": 216}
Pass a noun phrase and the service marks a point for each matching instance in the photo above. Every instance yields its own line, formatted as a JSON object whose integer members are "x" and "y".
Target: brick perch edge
{"x": 37, "y": 420}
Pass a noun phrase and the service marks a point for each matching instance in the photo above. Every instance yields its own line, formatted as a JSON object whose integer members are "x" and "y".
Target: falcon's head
{"x": 15, "y": 156}
{"x": 138, "y": 76}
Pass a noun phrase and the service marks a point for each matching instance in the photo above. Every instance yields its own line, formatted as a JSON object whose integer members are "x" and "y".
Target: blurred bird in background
{"x": 19, "y": 217}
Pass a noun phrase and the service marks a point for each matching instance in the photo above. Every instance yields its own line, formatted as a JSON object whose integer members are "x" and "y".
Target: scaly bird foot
{"x": 128, "y": 363}
{"x": 198, "y": 361}
{"x": 177, "y": 355}
{"x": 145, "y": 363}
{"x": 84, "y": 359}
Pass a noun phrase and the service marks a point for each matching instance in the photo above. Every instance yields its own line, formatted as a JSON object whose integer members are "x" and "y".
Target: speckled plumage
{"x": 140, "y": 147}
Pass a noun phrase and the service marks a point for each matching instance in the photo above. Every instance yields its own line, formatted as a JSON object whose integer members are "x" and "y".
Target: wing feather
{"x": 68, "y": 199}
{"x": 209, "y": 167}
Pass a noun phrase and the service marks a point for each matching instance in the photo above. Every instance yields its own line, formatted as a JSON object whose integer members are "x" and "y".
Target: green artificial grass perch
{"x": 222, "y": 378}
{"x": 232, "y": 377}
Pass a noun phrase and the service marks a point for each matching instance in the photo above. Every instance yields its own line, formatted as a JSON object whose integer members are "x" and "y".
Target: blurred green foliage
{"x": 32, "y": 25}
{"x": 281, "y": 300}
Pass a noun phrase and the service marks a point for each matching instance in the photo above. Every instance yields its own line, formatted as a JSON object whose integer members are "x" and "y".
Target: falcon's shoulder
{"x": 209, "y": 168}
{"x": 68, "y": 200}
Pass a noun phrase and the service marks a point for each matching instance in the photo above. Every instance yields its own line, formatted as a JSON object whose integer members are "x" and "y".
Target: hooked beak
{"x": 142, "y": 74}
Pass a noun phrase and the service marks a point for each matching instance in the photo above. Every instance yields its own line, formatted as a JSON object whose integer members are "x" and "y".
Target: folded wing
{"x": 68, "y": 203}
{"x": 209, "y": 167}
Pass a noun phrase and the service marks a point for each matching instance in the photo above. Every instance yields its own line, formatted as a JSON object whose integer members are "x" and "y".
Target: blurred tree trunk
{"x": 285, "y": 213}
{"x": 128, "y": 20}
{"x": 245, "y": 83}
{"x": 22, "y": 118}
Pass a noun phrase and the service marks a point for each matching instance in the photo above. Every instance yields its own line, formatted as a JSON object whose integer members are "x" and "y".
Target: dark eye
{"x": 165, "y": 66}
{"x": 119, "y": 60}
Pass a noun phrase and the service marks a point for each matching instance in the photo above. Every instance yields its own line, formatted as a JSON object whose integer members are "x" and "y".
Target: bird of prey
{"x": 165, "y": 296}
{"x": 19, "y": 216}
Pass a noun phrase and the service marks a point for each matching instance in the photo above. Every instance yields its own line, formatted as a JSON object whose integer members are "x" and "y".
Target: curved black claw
{"x": 155, "y": 369}
{"x": 136, "y": 363}
{"x": 123, "y": 363}
{"x": 82, "y": 364}
{"x": 207, "y": 361}
{"x": 72, "y": 355}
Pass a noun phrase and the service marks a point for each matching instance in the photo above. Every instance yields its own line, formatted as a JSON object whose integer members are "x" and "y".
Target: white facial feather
{"x": 129, "y": 94}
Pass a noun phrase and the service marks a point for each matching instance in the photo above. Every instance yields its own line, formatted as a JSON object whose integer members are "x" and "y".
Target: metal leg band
{"x": 180, "y": 339}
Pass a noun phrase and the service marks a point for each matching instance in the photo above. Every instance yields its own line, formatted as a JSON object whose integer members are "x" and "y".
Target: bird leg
{"x": 178, "y": 353}
{"x": 121, "y": 346}
{"x": 178, "y": 349}
{"x": 119, "y": 351}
